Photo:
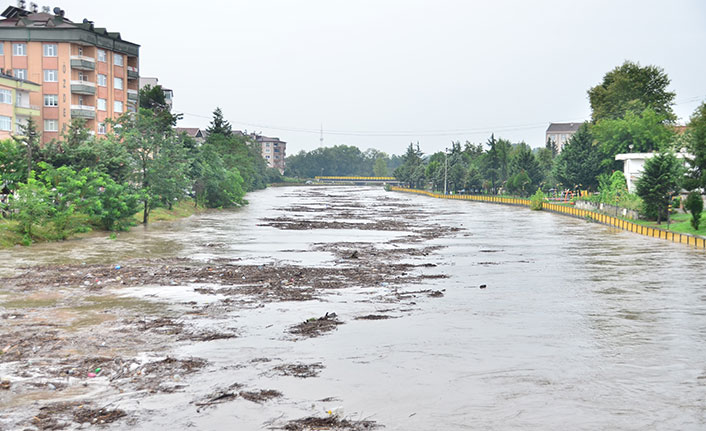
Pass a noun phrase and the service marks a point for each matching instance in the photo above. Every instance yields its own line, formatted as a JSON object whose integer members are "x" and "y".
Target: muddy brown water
{"x": 580, "y": 326}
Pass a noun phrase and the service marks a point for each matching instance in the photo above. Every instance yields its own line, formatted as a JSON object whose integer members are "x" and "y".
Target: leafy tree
{"x": 697, "y": 147}
{"x": 29, "y": 142}
{"x": 31, "y": 203}
{"x": 631, "y": 87}
{"x": 635, "y": 132}
{"x": 13, "y": 164}
{"x": 153, "y": 98}
{"x": 519, "y": 183}
{"x": 219, "y": 125}
{"x": 523, "y": 160}
{"x": 612, "y": 188}
{"x": 579, "y": 163}
{"x": 412, "y": 170}
{"x": 380, "y": 167}
{"x": 695, "y": 205}
{"x": 660, "y": 179}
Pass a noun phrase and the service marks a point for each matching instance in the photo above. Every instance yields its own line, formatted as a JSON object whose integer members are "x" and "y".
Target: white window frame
{"x": 51, "y": 50}
{"x": 102, "y": 104}
{"x": 118, "y": 60}
{"x": 51, "y": 75}
{"x": 20, "y": 73}
{"x": 5, "y": 123}
{"x": 101, "y": 129}
{"x": 51, "y": 100}
{"x": 102, "y": 80}
{"x": 118, "y": 107}
{"x": 117, "y": 81}
{"x": 101, "y": 55}
{"x": 6, "y": 96}
{"x": 19, "y": 49}
{"x": 51, "y": 125}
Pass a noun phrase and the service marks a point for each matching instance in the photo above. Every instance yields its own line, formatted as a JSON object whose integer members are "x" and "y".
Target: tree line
{"x": 341, "y": 160}
{"x": 82, "y": 182}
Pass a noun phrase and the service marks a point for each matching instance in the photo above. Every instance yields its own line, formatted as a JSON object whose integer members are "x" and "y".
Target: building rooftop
{"x": 194, "y": 132}
{"x": 563, "y": 127}
{"x": 3, "y": 75}
{"x": 20, "y": 18}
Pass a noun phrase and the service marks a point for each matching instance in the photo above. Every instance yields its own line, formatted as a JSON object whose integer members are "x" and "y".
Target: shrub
{"x": 537, "y": 200}
{"x": 695, "y": 204}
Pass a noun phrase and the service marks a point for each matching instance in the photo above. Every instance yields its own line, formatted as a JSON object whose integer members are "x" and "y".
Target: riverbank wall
{"x": 682, "y": 238}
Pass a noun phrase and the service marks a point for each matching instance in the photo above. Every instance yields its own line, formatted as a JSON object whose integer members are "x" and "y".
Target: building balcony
{"x": 133, "y": 95}
{"x": 27, "y": 110}
{"x": 83, "y": 111}
{"x": 83, "y": 87}
{"x": 132, "y": 73}
{"x": 83, "y": 63}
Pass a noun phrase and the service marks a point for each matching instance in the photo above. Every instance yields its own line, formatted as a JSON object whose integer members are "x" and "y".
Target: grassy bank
{"x": 10, "y": 236}
{"x": 680, "y": 223}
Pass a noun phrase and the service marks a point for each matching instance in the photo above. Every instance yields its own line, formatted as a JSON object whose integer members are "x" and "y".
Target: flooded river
{"x": 580, "y": 326}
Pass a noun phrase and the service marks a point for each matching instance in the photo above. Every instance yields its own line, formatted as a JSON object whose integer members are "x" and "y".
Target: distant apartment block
{"x": 560, "y": 133}
{"x": 273, "y": 151}
{"x": 15, "y": 106}
{"x": 83, "y": 71}
{"x": 153, "y": 82}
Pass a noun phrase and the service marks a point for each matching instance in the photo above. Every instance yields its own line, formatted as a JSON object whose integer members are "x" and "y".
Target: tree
{"x": 13, "y": 164}
{"x": 29, "y": 139}
{"x": 219, "y": 125}
{"x": 579, "y": 163}
{"x": 631, "y": 87}
{"x": 697, "y": 147}
{"x": 412, "y": 170}
{"x": 523, "y": 160}
{"x": 380, "y": 167}
{"x": 642, "y": 132}
{"x": 659, "y": 181}
{"x": 31, "y": 203}
{"x": 695, "y": 205}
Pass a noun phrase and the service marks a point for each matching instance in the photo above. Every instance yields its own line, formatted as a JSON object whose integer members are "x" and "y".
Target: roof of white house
{"x": 643, "y": 156}
{"x": 563, "y": 127}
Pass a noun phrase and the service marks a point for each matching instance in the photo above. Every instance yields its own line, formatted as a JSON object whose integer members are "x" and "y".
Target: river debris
{"x": 374, "y": 317}
{"x": 315, "y": 327}
{"x": 233, "y": 392}
{"x": 57, "y": 416}
{"x": 301, "y": 371}
{"x": 332, "y": 423}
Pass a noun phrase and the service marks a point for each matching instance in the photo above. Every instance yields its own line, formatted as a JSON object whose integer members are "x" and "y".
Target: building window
{"x": 19, "y": 49}
{"x": 117, "y": 59}
{"x": 51, "y": 125}
{"x": 51, "y": 75}
{"x": 117, "y": 106}
{"x": 20, "y": 73}
{"x": 101, "y": 128}
{"x": 51, "y": 100}
{"x": 2, "y": 48}
{"x": 118, "y": 83}
{"x": 6, "y": 96}
{"x": 101, "y": 55}
{"x": 50, "y": 50}
{"x": 5, "y": 123}
{"x": 102, "y": 80}
{"x": 102, "y": 105}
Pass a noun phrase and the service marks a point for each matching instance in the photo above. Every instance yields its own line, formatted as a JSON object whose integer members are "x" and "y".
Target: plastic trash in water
{"x": 336, "y": 412}
{"x": 117, "y": 266}
{"x": 91, "y": 375}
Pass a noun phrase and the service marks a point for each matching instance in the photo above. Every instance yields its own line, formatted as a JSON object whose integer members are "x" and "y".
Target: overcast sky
{"x": 385, "y": 73}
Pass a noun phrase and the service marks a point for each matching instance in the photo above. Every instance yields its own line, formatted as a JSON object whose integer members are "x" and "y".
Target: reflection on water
{"x": 581, "y": 326}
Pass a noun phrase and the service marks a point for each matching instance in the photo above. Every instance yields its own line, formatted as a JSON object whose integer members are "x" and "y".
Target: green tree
{"x": 219, "y": 125}
{"x": 380, "y": 167}
{"x": 524, "y": 160}
{"x": 31, "y": 204}
{"x": 631, "y": 87}
{"x": 643, "y": 132}
{"x": 29, "y": 141}
{"x": 659, "y": 181}
{"x": 695, "y": 205}
{"x": 579, "y": 163}
{"x": 412, "y": 170}
{"x": 13, "y": 164}
{"x": 697, "y": 147}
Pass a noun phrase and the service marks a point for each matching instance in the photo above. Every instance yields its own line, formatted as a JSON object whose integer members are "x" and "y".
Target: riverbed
{"x": 358, "y": 308}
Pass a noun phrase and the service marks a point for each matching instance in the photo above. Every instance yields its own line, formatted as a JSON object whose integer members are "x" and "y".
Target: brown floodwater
{"x": 580, "y": 326}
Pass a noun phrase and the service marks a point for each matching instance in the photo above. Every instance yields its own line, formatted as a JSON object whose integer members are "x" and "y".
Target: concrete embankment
{"x": 681, "y": 238}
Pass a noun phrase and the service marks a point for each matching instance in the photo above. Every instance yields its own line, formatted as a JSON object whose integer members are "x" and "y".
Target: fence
{"x": 682, "y": 238}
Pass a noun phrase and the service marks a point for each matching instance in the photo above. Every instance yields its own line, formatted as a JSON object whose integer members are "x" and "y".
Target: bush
{"x": 537, "y": 200}
{"x": 695, "y": 204}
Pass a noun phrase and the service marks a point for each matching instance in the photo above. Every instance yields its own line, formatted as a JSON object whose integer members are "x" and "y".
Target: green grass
{"x": 179, "y": 210}
{"x": 680, "y": 223}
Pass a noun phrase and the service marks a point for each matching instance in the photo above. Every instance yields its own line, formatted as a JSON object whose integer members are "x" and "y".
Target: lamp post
{"x": 446, "y": 167}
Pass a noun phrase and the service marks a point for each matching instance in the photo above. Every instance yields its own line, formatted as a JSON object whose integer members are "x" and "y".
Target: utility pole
{"x": 446, "y": 167}
{"x": 321, "y": 137}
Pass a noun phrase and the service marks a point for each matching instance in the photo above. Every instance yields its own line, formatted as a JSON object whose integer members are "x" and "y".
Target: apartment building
{"x": 153, "y": 82}
{"x": 273, "y": 151}
{"x": 560, "y": 133}
{"x": 84, "y": 71}
{"x": 15, "y": 106}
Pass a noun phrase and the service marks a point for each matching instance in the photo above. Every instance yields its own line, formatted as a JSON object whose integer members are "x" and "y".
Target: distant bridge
{"x": 358, "y": 180}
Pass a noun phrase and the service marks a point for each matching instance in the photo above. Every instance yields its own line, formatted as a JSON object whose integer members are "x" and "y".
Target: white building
{"x": 633, "y": 164}
{"x": 560, "y": 133}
